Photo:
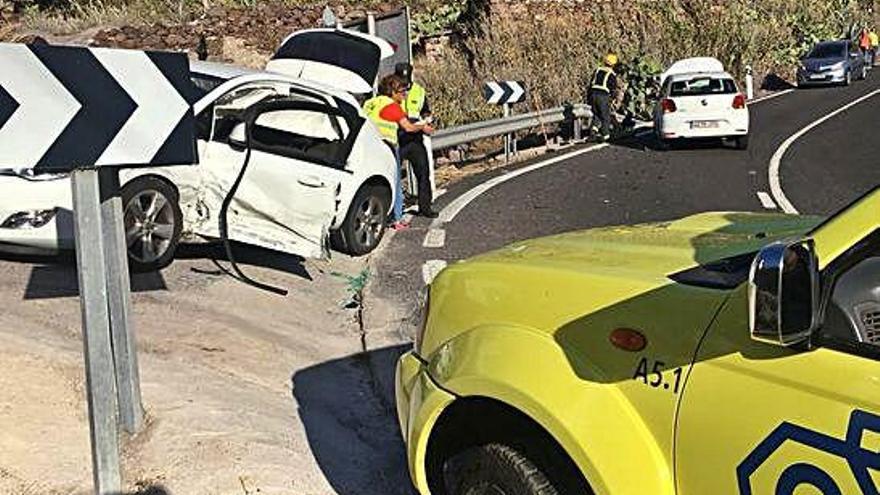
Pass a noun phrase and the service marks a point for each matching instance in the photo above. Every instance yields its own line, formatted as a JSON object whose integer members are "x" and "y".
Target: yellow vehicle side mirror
{"x": 784, "y": 293}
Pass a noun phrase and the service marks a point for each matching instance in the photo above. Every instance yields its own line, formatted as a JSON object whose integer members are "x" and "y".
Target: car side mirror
{"x": 238, "y": 137}
{"x": 784, "y": 293}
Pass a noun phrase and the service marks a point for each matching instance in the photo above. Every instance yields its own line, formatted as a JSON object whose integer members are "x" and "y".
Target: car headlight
{"x": 33, "y": 219}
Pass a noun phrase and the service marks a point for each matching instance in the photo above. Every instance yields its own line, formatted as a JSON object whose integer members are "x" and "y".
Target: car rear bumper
{"x": 684, "y": 126}
{"x": 420, "y": 402}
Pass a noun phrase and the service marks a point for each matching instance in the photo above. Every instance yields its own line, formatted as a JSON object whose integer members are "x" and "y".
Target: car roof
{"x": 256, "y": 76}
{"x": 691, "y": 75}
{"x": 216, "y": 69}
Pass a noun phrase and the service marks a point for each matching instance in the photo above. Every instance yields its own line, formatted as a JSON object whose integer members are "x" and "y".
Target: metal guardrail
{"x": 454, "y": 136}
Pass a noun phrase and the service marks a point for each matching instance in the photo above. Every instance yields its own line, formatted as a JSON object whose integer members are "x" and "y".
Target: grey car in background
{"x": 832, "y": 62}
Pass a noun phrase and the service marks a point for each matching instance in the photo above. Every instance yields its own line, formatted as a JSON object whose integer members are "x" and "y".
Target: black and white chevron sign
{"x": 63, "y": 108}
{"x": 504, "y": 92}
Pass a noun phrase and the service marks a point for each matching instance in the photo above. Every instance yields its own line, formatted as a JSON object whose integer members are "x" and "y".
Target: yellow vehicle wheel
{"x": 496, "y": 469}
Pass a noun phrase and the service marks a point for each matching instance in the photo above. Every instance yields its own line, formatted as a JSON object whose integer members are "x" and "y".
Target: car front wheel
{"x": 153, "y": 223}
{"x": 364, "y": 225}
{"x": 496, "y": 469}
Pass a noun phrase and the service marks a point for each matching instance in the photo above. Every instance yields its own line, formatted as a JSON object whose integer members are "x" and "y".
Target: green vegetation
{"x": 553, "y": 46}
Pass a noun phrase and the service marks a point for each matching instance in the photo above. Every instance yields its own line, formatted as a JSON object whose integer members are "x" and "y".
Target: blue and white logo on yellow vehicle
{"x": 794, "y": 457}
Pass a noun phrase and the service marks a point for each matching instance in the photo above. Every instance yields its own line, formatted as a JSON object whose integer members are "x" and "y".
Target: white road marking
{"x": 766, "y": 201}
{"x": 451, "y": 210}
{"x": 776, "y": 160}
{"x": 430, "y": 270}
{"x": 435, "y": 238}
{"x": 771, "y": 96}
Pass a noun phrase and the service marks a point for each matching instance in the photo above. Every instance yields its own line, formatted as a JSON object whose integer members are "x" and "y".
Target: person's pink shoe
{"x": 399, "y": 225}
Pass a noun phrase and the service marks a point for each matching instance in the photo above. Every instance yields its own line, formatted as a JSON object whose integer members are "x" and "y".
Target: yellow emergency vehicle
{"x": 722, "y": 353}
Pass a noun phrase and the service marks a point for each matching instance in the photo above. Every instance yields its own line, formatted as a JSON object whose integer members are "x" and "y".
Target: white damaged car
{"x": 318, "y": 169}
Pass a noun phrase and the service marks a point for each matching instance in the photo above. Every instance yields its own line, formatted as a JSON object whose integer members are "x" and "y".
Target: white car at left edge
{"x": 318, "y": 171}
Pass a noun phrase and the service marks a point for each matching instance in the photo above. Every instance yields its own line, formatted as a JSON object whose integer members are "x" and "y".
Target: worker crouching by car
{"x": 386, "y": 111}
{"x": 603, "y": 87}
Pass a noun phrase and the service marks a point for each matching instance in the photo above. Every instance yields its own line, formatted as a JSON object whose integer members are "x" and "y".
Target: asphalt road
{"x": 631, "y": 181}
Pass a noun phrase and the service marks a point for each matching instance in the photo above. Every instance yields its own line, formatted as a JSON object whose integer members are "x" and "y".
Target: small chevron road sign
{"x": 64, "y": 107}
{"x": 504, "y": 92}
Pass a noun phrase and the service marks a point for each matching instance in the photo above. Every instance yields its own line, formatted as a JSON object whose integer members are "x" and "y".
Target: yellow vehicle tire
{"x": 496, "y": 469}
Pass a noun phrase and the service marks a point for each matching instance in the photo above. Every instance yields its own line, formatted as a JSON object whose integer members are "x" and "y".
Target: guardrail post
{"x": 750, "y": 83}
{"x": 507, "y": 136}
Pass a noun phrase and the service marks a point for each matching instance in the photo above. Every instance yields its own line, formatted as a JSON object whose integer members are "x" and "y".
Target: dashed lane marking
{"x": 766, "y": 201}
{"x": 776, "y": 160}
{"x": 430, "y": 270}
{"x": 435, "y": 238}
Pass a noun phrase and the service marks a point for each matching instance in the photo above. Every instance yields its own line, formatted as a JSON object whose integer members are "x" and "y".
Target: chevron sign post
{"x": 90, "y": 111}
{"x": 505, "y": 93}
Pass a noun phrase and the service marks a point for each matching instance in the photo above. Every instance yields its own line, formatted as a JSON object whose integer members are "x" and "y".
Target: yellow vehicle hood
{"x": 652, "y": 250}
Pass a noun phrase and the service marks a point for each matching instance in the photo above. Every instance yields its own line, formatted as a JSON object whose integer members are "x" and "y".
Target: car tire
{"x": 152, "y": 222}
{"x": 742, "y": 142}
{"x": 364, "y": 224}
{"x": 496, "y": 469}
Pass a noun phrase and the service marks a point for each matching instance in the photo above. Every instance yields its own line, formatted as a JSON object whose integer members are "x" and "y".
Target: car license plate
{"x": 817, "y": 76}
{"x": 704, "y": 124}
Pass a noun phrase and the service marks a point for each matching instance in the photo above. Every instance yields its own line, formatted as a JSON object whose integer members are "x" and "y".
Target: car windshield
{"x": 827, "y": 50}
{"x": 700, "y": 86}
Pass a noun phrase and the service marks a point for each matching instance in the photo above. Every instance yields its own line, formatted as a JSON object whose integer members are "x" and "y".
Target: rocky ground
{"x": 246, "y": 392}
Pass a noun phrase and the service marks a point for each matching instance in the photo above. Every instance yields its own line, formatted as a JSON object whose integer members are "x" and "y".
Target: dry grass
{"x": 554, "y": 46}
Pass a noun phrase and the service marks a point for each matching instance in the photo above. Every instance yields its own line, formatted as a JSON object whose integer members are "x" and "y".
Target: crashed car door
{"x": 286, "y": 197}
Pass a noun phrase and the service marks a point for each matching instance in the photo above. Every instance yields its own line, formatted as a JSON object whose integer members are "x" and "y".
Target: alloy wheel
{"x": 149, "y": 225}
{"x": 369, "y": 222}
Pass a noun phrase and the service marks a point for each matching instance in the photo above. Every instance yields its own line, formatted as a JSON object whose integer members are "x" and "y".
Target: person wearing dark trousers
{"x": 412, "y": 144}
{"x": 603, "y": 87}
{"x": 415, "y": 153}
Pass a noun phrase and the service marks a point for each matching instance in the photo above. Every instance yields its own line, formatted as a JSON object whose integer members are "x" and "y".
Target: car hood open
{"x": 343, "y": 59}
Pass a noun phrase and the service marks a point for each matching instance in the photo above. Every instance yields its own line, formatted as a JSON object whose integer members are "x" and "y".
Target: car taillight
{"x": 667, "y": 105}
{"x": 739, "y": 101}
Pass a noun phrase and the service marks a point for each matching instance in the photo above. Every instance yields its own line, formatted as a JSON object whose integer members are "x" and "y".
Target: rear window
{"x": 204, "y": 83}
{"x": 828, "y": 50}
{"x": 701, "y": 86}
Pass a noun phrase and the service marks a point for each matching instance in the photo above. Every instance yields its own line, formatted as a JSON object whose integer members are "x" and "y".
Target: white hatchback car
{"x": 318, "y": 169}
{"x": 698, "y": 99}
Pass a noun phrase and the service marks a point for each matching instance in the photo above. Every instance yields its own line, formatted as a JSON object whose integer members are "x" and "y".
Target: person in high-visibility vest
{"x": 603, "y": 87}
{"x": 386, "y": 112}
{"x": 412, "y": 145}
{"x": 875, "y": 41}
{"x": 865, "y": 45}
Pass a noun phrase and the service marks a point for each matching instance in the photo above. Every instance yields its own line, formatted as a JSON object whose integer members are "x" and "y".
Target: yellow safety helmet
{"x": 611, "y": 59}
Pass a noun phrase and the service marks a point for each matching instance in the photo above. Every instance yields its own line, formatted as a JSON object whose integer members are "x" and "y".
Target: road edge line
{"x": 776, "y": 159}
